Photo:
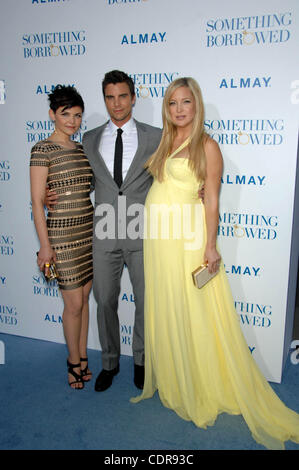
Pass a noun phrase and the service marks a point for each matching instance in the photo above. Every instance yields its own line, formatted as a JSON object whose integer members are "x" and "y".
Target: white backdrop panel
{"x": 244, "y": 57}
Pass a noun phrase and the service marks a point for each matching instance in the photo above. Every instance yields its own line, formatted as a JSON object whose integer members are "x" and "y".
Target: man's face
{"x": 119, "y": 102}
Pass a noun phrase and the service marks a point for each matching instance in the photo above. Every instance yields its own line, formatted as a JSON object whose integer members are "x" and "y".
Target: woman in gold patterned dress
{"x": 66, "y": 236}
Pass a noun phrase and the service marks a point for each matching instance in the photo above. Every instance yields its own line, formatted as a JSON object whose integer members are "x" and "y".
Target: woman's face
{"x": 182, "y": 107}
{"x": 67, "y": 120}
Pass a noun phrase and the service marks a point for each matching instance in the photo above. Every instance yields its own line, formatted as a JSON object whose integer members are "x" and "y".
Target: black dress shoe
{"x": 104, "y": 379}
{"x": 139, "y": 376}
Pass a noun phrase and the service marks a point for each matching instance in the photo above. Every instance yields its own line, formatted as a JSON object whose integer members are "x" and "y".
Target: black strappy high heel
{"x": 77, "y": 377}
{"x": 84, "y": 372}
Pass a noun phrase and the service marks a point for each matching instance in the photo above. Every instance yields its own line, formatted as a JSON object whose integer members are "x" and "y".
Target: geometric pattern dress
{"x": 70, "y": 221}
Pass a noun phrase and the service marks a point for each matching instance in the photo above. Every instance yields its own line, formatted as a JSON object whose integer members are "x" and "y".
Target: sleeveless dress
{"x": 195, "y": 353}
{"x": 70, "y": 221}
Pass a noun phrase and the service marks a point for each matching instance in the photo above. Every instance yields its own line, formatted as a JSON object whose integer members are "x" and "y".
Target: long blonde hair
{"x": 197, "y": 160}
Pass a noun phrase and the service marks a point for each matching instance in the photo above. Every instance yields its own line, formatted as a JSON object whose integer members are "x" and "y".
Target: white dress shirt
{"x": 130, "y": 144}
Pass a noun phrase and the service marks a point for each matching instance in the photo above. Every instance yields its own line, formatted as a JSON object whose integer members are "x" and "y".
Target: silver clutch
{"x": 201, "y": 275}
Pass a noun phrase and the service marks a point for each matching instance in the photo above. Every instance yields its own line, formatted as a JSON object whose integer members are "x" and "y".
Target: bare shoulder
{"x": 211, "y": 147}
{"x": 213, "y": 155}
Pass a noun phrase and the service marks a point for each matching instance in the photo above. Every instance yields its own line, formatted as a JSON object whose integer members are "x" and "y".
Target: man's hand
{"x": 50, "y": 198}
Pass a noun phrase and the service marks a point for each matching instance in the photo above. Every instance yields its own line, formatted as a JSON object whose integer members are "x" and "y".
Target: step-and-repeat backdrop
{"x": 244, "y": 56}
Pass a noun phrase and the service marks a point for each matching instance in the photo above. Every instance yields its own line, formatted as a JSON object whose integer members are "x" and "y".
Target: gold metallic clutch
{"x": 52, "y": 273}
{"x": 201, "y": 275}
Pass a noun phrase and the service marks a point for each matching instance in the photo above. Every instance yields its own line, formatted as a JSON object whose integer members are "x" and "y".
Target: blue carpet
{"x": 39, "y": 411}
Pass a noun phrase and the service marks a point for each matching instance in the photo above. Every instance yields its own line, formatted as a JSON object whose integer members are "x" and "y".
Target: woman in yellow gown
{"x": 195, "y": 353}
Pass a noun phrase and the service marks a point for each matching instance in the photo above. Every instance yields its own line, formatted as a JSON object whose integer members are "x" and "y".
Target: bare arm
{"x": 38, "y": 180}
{"x": 214, "y": 168}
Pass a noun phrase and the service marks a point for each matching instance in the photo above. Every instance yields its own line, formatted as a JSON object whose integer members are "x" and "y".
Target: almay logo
{"x": 248, "y": 82}
{"x": 146, "y": 38}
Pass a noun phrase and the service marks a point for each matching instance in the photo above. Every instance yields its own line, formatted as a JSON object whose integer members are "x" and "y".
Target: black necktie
{"x": 118, "y": 157}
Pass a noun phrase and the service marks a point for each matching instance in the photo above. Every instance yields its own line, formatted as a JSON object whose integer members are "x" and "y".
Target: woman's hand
{"x": 46, "y": 255}
{"x": 212, "y": 259}
{"x": 201, "y": 193}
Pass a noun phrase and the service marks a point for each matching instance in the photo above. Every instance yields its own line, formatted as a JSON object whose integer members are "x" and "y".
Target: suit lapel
{"x": 100, "y": 166}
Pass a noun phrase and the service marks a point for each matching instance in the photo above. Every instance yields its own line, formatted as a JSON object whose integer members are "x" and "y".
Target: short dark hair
{"x": 116, "y": 76}
{"x": 66, "y": 96}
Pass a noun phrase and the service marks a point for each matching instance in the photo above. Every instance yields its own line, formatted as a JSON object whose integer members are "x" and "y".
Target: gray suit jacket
{"x": 108, "y": 196}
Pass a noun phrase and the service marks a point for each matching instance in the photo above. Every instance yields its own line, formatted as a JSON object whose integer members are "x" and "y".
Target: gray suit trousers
{"x": 106, "y": 286}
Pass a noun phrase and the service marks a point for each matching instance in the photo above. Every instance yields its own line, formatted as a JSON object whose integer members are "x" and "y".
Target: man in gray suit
{"x": 117, "y": 159}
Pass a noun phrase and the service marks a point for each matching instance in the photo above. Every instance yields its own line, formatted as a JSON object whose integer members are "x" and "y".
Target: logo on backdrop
{"x": 6, "y": 245}
{"x": 252, "y": 314}
{"x": 127, "y": 2}
{"x": 42, "y": 129}
{"x": 54, "y": 44}
{"x": 248, "y": 226}
{"x": 44, "y": 288}
{"x": 126, "y": 297}
{"x": 246, "y": 131}
{"x": 257, "y": 30}
{"x": 242, "y": 270}
{"x": 45, "y": 89}
{"x": 3, "y": 281}
{"x": 41, "y": 2}
{"x": 5, "y": 170}
{"x": 8, "y": 315}
{"x": 144, "y": 38}
{"x": 243, "y": 180}
{"x": 152, "y": 85}
{"x": 126, "y": 334}
{"x": 245, "y": 82}
{"x": 53, "y": 318}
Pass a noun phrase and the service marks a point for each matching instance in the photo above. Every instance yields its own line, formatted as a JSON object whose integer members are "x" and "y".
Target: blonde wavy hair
{"x": 197, "y": 160}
